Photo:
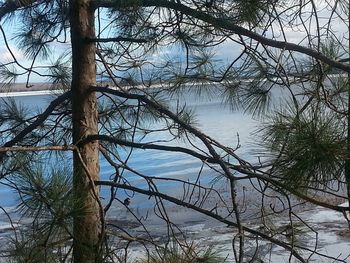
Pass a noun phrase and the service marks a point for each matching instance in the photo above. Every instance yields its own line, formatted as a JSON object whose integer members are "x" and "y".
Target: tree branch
{"x": 248, "y": 170}
{"x": 39, "y": 120}
{"x": 226, "y": 24}
{"x": 163, "y": 110}
{"x": 118, "y": 39}
{"x": 152, "y": 146}
{"x": 11, "y": 6}
{"x": 38, "y": 149}
{"x": 202, "y": 211}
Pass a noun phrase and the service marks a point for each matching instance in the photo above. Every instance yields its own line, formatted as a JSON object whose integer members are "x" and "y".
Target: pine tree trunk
{"x": 347, "y": 161}
{"x": 87, "y": 225}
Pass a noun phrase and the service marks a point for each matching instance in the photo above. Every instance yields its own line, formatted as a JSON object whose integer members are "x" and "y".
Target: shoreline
{"x": 21, "y": 89}
{"x": 45, "y": 88}
{"x": 28, "y": 93}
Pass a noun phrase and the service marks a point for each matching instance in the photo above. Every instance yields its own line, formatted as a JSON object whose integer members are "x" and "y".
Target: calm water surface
{"x": 213, "y": 117}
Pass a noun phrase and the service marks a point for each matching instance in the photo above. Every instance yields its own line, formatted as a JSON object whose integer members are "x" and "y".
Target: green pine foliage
{"x": 306, "y": 149}
{"x": 47, "y": 209}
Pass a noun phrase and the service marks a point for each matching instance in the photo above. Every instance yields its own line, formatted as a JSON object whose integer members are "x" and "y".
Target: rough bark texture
{"x": 87, "y": 226}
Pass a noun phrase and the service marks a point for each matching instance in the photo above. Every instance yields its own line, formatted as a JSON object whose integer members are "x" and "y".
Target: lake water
{"x": 221, "y": 123}
{"x": 212, "y": 117}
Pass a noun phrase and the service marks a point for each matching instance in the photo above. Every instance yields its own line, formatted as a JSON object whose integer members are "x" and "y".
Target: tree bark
{"x": 347, "y": 161}
{"x": 87, "y": 226}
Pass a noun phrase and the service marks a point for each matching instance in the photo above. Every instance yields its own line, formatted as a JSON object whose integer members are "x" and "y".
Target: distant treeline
{"x": 19, "y": 87}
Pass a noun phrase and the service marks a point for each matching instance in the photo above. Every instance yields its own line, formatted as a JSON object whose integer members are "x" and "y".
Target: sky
{"x": 225, "y": 53}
